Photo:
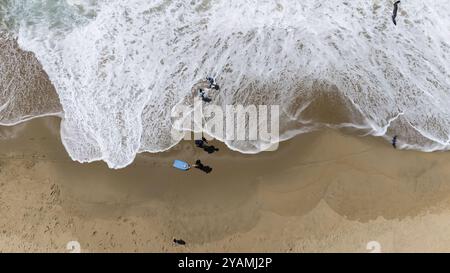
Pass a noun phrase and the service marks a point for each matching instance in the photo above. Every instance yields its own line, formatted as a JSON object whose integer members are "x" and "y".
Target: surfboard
{"x": 181, "y": 165}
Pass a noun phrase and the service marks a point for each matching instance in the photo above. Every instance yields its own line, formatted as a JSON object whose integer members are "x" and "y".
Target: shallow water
{"x": 120, "y": 67}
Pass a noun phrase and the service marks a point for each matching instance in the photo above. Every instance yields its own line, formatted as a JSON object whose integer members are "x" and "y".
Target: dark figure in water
{"x": 394, "y": 142}
{"x": 212, "y": 83}
{"x": 206, "y": 99}
{"x": 394, "y": 13}
{"x": 202, "y": 95}
{"x": 179, "y": 242}
{"x": 199, "y": 165}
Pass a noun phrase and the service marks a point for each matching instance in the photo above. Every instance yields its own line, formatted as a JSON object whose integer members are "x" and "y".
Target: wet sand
{"x": 321, "y": 192}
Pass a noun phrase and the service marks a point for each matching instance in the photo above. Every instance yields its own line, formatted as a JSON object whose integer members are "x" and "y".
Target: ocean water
{"x": 119, "y": 68}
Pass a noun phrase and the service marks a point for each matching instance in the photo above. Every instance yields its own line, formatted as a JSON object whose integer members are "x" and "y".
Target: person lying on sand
{"x": 179, "y": 242}
{"x": 199, "y": 165}
{"x": 201, "y": 143}
{"x": 210, "y": 149}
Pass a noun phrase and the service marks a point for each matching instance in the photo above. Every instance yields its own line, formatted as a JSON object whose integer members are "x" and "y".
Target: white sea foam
{"x": 120, "y": 67}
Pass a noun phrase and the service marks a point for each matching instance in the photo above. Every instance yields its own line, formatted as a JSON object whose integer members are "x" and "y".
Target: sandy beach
{"x": 321, "y": 192}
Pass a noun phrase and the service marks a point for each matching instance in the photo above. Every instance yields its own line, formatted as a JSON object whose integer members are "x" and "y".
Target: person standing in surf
{"x": 394, "y": 13}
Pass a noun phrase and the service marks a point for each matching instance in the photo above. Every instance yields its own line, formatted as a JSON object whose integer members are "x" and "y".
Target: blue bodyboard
{"x": 181, "y": 165}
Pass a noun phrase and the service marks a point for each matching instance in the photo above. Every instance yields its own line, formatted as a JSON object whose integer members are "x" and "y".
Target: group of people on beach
{"x": 201, "y": 143}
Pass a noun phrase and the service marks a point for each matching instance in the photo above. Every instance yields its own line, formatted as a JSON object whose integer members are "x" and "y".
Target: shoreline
{"x": 320, "y": 192}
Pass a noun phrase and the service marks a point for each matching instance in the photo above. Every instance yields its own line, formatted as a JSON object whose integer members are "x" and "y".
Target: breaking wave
{"x": 120, "y": 67}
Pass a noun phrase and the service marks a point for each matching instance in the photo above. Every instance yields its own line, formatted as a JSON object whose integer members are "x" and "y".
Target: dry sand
{"x": 320, "y": 192}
